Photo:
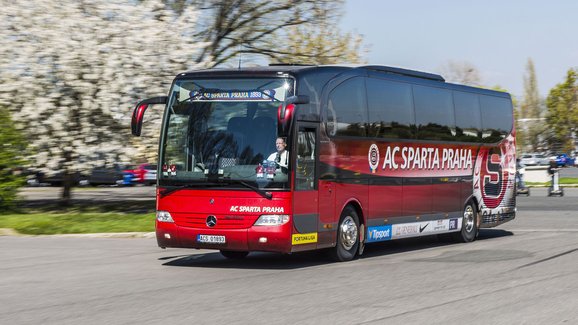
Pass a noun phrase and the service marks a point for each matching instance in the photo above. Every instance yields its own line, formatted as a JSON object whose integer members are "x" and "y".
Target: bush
{"x": 12, "y": 149}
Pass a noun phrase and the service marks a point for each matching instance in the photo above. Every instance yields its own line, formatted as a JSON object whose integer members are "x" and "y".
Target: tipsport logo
{"x": 379, "y": 233}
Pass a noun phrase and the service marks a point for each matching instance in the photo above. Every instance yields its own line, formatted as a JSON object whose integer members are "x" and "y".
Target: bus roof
{"x": 298, "y": 69}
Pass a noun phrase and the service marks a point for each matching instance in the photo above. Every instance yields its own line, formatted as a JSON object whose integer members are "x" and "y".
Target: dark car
{"x": 108, "y": 175}
{"x": 54, "y": 179}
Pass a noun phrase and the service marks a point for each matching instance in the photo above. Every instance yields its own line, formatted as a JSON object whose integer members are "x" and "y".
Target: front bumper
{"x": 255, "y": 238}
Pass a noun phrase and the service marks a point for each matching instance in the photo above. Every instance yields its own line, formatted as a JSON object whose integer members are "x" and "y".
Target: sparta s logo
{"x": 493, "y": 178}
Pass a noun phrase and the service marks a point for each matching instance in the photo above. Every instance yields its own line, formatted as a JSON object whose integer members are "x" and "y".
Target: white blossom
{"x": 71, "y": 72}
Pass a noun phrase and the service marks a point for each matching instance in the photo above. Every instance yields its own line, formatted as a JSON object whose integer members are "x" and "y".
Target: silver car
{"x": 534, "y": 159}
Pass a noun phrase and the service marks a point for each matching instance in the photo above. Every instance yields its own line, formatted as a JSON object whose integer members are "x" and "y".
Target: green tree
{"x": 320, "y": 43}
{"x": 562, "y": 117}
{"x": 12, "y": 149}
{"x": 531, "y": 110}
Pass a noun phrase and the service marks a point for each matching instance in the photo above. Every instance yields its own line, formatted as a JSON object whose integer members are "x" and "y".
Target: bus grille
{"x": 223, "y": 221}
{"x": 495, "y": 219}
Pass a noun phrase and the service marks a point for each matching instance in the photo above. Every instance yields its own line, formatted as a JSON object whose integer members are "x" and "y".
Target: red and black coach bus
{"x": 374, "y": 153}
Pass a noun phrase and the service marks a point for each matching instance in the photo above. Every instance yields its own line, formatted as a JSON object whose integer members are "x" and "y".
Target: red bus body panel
{"x": 236, "y": 213}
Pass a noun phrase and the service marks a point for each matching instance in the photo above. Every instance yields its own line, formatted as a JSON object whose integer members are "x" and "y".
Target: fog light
{"x": 263, "y": 240}
{"x": 168, "y": 236}
{"x": 164, "y": 216}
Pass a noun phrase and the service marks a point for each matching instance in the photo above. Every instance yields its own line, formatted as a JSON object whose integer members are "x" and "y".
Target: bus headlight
{"x": 272, "y": 220}
{"x": 164, "y": 216}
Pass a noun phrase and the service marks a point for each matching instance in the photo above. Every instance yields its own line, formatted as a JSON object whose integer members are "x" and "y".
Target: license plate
{"x": 211, "y": 239}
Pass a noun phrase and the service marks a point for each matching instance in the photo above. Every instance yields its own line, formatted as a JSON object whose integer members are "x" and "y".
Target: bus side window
{"x": 305, "y": 169}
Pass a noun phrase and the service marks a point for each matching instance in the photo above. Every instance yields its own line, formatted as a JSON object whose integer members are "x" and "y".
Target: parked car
{"x": 534, "y": 159}
{"x": 564, "y": 160}
{"x": 54, "y": 179}
{"x": 108, "y": 175}
{"x": 144, "y": 174}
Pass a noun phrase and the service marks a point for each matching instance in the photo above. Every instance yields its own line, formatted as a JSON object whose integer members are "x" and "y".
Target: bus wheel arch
{"x": 349, "y": 233}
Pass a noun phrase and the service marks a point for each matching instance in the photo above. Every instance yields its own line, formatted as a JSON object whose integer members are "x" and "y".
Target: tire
{"x": 234, "y": 255}
{"x": 470, "y": 229}
{"x": 347, "y": 243}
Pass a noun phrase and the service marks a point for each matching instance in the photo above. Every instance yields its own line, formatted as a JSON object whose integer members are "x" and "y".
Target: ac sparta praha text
{"x": 428, "y": 158}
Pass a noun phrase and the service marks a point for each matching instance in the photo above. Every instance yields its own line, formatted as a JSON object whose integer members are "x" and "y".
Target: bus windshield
{"x": 223, "y": 132}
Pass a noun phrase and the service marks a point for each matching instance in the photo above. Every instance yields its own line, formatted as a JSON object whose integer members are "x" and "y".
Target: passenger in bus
{"x": 281, "y": 156}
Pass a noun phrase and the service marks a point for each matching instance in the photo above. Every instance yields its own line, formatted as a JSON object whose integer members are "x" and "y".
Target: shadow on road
{"x": 272, "y": 261}
{"x": 255, "y": 260}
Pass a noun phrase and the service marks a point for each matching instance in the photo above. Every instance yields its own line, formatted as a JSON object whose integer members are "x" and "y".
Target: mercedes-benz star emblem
{"x": 211, "y": 221}
{"x": 212, "y": 201}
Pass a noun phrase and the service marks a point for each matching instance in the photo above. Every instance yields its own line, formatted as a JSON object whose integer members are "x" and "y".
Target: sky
{"x": 497, "y": 37}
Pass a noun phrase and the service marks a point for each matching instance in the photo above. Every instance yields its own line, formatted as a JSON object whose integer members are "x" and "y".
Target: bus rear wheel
{"x": 347, "y": 236}
{"x": 234, "y": 255}
{"x": 470, "y": 229}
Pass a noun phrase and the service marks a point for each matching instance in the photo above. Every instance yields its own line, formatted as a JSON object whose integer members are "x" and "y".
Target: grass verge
{"x": 77, "y": 223}
{"x": 563, "y": 181}
{"x": 46, "y": 217}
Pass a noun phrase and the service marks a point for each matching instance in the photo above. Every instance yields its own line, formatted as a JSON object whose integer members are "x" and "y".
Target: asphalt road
{"x": 523, "y": 272}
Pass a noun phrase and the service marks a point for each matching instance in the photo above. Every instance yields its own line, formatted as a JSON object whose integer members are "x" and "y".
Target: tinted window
{"x": 312, "y": 86}
{"x": 305, "y": 169}
{"x": 390, "y": 109}
{"x": 346, "y": 111}
{"x": 434, "y": 113}
{"x": 468, "y": 120}
{"x": 497, "y": 118}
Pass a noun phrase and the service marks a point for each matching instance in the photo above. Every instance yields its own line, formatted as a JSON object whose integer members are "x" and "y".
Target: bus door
{"x": 306, "y": 196}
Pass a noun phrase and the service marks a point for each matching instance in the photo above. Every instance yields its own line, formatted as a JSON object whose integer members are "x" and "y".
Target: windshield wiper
{"x": 175, "y": 188}
{"x": 265, "y": 194}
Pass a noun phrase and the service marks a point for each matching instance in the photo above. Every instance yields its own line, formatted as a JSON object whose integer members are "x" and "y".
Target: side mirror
{"x": 300, "y": 99}
{"x": 139, "y": 110}
{"x": 286, "y": 113}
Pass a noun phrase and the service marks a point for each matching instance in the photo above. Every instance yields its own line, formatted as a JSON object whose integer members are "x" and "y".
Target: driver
{"x": 281, "y": 156}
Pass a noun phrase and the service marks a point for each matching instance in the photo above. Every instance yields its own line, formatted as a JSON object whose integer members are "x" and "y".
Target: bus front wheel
{"x": 347, "y": 236}
{"x": 469, "y": 230}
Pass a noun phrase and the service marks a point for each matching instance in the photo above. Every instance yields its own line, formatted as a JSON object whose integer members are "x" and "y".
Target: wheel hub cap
{"x": 469, "y": 218}
{"x": 348, "y": 233}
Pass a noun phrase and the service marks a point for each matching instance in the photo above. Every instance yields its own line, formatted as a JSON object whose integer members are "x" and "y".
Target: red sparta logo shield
{"x": 490, "y": 177}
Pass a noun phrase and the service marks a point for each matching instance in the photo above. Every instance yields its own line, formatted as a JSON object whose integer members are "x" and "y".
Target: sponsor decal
{"x": 298, "y": 239}
{"x": 378, "y": 233}
{"x": 422, "y": 228}
{"x": 405, "y": 230}
{"x": 440, "y": 225}
{"x": 421, "y": 158}
{"x": 373, "y": 157}
{"x": 256, "y": 209}
{"x": 453, "y": 224}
